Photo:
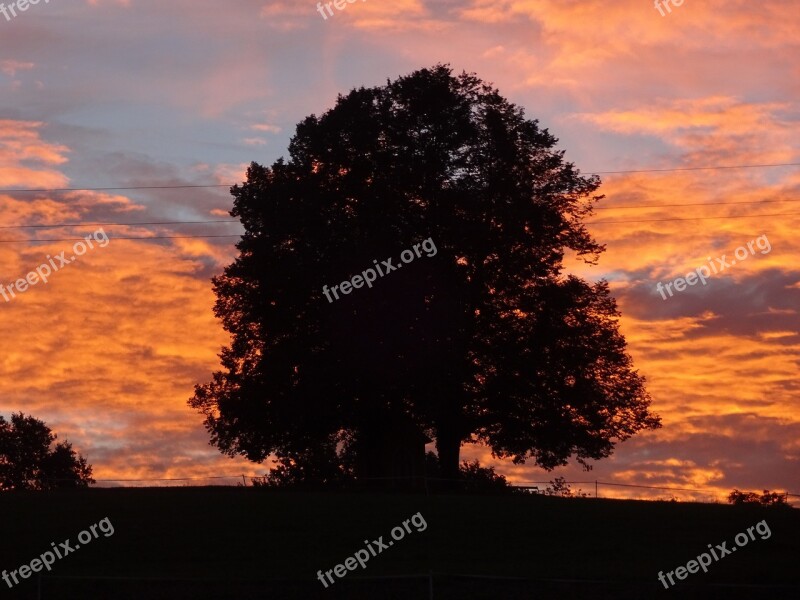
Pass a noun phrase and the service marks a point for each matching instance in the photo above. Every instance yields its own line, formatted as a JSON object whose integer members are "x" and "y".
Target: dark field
{"x": 221, "y": 543}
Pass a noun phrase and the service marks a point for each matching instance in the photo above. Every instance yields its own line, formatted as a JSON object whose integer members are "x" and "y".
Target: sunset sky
{"x": 143, "y": 93}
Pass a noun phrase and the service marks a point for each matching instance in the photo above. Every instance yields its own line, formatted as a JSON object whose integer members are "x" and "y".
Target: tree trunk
{"x": 448, "y": 446}
{"x": 391, "y": 453}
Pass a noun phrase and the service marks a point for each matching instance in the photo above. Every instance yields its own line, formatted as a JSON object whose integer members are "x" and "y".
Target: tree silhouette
{"x": 483, "y": 340}
{"x": 768, "y": 498}
{"x": 30, "y": 461}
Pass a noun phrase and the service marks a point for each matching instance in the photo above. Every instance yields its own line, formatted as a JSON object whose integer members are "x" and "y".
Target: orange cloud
{"x": 121, "y": 334}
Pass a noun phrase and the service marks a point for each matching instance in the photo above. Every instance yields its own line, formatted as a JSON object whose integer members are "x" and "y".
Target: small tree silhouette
{"x": 30, "y": 461}
{"x": 477, "y": 477}
{"x": 768, "y": 498}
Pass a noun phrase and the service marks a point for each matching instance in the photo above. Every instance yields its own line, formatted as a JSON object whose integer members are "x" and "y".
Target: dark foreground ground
{"x": 241, "y": 543}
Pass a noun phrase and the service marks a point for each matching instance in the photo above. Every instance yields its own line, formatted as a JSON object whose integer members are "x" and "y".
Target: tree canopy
{"x": 486, "y": 341}
{"x": 29, "y": 459}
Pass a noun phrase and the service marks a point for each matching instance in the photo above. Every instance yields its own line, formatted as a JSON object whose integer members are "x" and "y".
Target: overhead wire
{"x": 218, "y": 185}
{"x": 199, "y": 186}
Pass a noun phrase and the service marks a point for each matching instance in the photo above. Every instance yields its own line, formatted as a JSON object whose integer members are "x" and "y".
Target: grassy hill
{"x": 220, "y": 543}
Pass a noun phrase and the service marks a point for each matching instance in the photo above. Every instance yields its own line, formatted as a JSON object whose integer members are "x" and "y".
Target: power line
{"x": 649, "y": 487}
{"x": 157, "y": 237}
{"x": 694, "y": 169}
{"x": 644, "y": 206}
{"x": 108, "y": 189}
{"x": 55, "y": 225}
{"x": 633, "y": 485}
{"x": 180, "y": 478}
{"x": 138, "y": 223}
{"x": 692, "y": 204}
{"x": 218, "y": 185}
{"x": 692, "y": 219}
{"x": 176, "y": 237}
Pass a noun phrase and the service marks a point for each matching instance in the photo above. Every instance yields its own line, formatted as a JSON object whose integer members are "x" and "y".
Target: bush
{"x": 768, "y": 498}
{"x": 481, "y": 478}
{"x": 560, "y": 487}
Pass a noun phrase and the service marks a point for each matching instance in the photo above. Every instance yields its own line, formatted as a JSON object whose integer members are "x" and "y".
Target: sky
{"x": 153, "y": 94}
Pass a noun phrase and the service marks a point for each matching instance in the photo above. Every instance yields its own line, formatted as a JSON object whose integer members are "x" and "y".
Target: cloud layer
{"x": 143, "y": 93}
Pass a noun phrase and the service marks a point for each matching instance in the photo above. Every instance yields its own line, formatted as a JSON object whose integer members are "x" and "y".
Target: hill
{"x": 221, "y": 543}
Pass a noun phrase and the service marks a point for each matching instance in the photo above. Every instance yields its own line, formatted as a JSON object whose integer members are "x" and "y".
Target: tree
{"x": 318, "y": 467}
{"x": 481, "y": 339}
{"x": 560, "y": 487}
{"x": 30, "y": 461}
{"x": 481, "y": 478}
{"x": 768, "y": 498}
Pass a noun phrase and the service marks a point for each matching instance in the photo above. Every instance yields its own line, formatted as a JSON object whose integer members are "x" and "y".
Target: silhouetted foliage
{"x": 767, "y": 498}
{"x": 316, "y": 467}
{"x": 30, "y": 461}
{"x": 487, "y": 341}
{"x": 432, "y": 465}
{"x": 481, "y": 478}
{"x": 560, "y": 487}
{"x": 309, "y": 472}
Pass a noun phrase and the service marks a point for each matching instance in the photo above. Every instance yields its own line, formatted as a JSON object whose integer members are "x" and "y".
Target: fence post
{"x": 244, "y": 483}
{"x": 430, "y": 583}
{"x": 595, "y": 488}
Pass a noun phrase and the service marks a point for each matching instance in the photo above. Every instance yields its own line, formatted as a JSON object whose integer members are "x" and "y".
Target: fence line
{"x": 398, "y": 576}
{"x": 521, "y": 484}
